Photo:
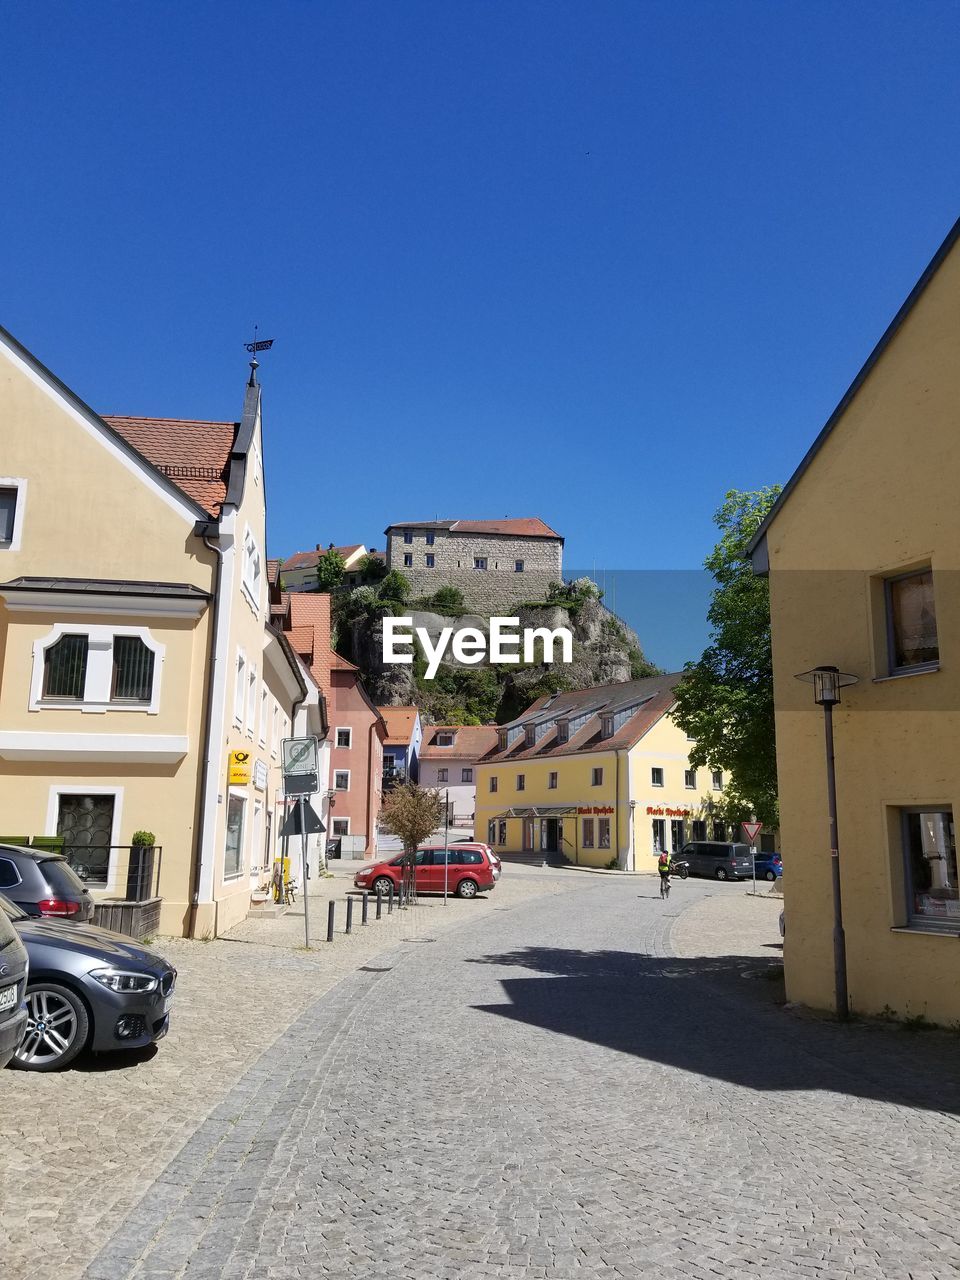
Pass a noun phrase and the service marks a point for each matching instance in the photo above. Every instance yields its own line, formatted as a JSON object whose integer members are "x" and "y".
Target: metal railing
{"x": 130, "y": 872}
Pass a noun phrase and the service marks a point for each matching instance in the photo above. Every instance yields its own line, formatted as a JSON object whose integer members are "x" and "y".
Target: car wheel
{"x": 58, "y": 1027}
{"x": 771, "y": 875}
{"x": 383, "y": 884}
{"x": 721, "y": 873}
{"x": 467, "y": 889}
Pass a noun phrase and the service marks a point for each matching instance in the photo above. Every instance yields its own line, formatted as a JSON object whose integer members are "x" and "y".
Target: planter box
{"x": 136, "y": 919}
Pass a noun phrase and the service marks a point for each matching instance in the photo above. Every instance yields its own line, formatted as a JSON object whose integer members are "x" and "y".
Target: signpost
{"x": 751, "y": 831}
{"x": 300, "y": 778}
{"x": 446, "y": 844}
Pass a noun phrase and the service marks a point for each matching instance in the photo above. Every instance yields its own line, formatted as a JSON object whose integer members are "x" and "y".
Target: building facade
{"x": 600, "y": 776}
{"x": 449, "y": 757}
{"x": 496, "y": 564}
{"x": 860, "y": 552}
{"x": 131, "y": 588}
{"x": 299, "y": 571}
{"x": 401, "y": 747}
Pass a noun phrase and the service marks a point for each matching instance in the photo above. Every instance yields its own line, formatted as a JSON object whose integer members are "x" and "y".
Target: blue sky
{"x": 597, "y": 262}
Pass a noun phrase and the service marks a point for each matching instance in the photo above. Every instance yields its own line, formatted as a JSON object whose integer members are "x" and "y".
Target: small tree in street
{"x": 413, "y": 813}
{"x": 330, "y": 570}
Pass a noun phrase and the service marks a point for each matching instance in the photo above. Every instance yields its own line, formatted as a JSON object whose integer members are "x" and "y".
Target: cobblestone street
{"x": 553, "y": 1092}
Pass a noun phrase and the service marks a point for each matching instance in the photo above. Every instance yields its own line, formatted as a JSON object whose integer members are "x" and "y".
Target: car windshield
{"x": 11, "y": 911}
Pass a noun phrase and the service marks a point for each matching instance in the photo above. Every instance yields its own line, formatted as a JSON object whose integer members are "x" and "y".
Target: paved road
{"x": 553, "y": 1094}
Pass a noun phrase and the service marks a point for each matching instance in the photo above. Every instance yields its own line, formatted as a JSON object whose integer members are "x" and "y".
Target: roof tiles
{"x": 193, "y": 454}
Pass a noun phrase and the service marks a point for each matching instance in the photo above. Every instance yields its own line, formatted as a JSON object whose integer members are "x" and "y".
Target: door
{"x": 676, "y": 835}
{"x": 528, "y": 833}
{"x": 86, "y": 824}
{"x": 430, "y": 870}
{"x": 549, "y": 835}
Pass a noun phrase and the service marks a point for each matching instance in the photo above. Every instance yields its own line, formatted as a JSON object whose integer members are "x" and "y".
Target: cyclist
{"x": 664, "y": 867}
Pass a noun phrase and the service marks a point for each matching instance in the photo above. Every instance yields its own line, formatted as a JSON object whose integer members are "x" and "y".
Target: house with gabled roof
{"x": 449, "y": 755}
{"x": 599, "y": 777}
{"x": 143, "y": 686}
{"x": 299, "y": 571}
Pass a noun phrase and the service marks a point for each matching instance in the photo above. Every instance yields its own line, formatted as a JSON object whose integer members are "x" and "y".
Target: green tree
{"x": 330, "y": 570}
{"x": 394, "y": 587}
{"x": 372, "y": 569}
{"x": 411, "y": 812}
{"x": 725, "y": 701}
{"x": 449, "y": 600}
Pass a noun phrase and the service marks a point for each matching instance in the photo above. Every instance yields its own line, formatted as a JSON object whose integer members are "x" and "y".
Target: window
{"x": 563, "y": 731}
{"x": 719, "y": 830}
{"x": 656, "y": 777}
{"x": 252, "y": 569}
{"x": 659, "y": 835}
{"x": 444, "y": 739}
{"x": 493, "y": 783}
{"x": 518, "y": 566}
{"x": 502, "y": 831}
{"x": 606, "y": 727}
{"x": 429, "y": 539}
{"x": 341, "y": 826}
{"x": 717, "y": 779}
{"x": 408, "y": 559}
{"x": 233, "y": 851}
{"x": 341, "y": 780}
{"x": 345, "y": 738}
{"x": 264, "y": 714}
{"x": 442, "y": 775}
{"x": 65, "y": 668}
{"x": 275, "y": 732}
{"x": 430, "y": 559}
{"x": 480, "y": 562}
{"x": 552, "y": 780}
{"x": 603, "y": 833}
{"x": 11, "y": 513}
{"x": 698, "y": 829}
{"x": 408, "y": 536}
{"x": 240, "y": 691}
{"x": 466, "y": 775}
{"x": 132, "y": 670}
{"x": 492, "y": 831}
{"x": 911, "y": 621}
{"x": 930, "y": 864}
{"x": 676, "y": 834}
{"x": 521, "y": 782}
{"x": 690, "y": 779}
{"x": 587, "y": 841}
{"x": 597, "y": 778}
{"x": 251, "y": 701}
{"x": 9, "y": 875}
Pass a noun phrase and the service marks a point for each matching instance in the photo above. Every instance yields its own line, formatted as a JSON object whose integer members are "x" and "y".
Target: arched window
{"x": 65, "y": 668}
{"x": 132, "y": 670}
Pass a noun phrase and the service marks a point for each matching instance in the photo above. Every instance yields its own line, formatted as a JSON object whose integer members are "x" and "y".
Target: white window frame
{"x": 53, "y": 808}
{"x": 439, "y": 743}
{"x": 690, "y": 779}
{"x": 480, "y": 564}
{"x": 430, "y": 560}
{"x": 336, "y": 774}
{"x": 264, "y": 709}
{"x": 253, "y": 685}
{"x": 236, "y": 793}
{"x": 408, "y": 559}
{"x": 20, "y": 484}
{"x": 343, "y": 728}
{"x": 99, "y": 679}
{"x": 715, "y": 774}
{"x": 240, "y": 688}
{"x": 275, "y": 731}
{"x": 654, "y": 770}
{"x": 466, "y": 769}
{"x": 252, "y": 583}
{"x": 333, "y": 823}
{"x": 443, "y": 774}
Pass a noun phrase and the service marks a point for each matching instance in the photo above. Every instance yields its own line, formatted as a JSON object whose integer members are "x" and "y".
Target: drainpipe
{"x": 371, "y": 782}
{"x": 206, "y": 529}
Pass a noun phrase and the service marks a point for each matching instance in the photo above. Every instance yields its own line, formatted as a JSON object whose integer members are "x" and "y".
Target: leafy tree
{"x": 394, "y": 587}
{"x": 330, "y": 570}
{"x": 449, "y": 600}
{"x": 411, "y": 812}
{"x": 372, "y": 569}
{"x": 725, "y": 701}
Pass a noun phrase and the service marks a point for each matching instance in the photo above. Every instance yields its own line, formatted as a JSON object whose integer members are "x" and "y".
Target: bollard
{"x": 379, "y": 903}
{"x": 363, "y": 911}
{"x": 390, "y": 901}
{"x": 349, "y": 928}
{"x": 331, "y": 914}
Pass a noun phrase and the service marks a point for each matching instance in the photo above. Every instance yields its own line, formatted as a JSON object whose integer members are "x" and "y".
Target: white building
{"x": 448, "y": 761}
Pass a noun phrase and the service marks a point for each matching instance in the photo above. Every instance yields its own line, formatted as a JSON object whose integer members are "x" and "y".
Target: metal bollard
{"x": 390, "y": 901}
{"x": 349, "y": 928}
{"x": 363, "y": 912}
{"x": 379, "y": 903}
{"x": 331, "y": 915}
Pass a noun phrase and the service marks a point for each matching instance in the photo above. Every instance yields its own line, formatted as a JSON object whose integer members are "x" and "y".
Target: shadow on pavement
{"x": 720, "y": 1017}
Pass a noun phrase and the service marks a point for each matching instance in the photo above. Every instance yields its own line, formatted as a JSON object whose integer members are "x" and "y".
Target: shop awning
{"x": 539, "y": 811}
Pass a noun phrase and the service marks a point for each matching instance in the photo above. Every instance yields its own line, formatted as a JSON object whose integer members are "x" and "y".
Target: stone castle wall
{"x": 494, "y": 590}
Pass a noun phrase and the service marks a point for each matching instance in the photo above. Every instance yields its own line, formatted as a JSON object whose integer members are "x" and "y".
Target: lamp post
{"x": 827, "y": 683}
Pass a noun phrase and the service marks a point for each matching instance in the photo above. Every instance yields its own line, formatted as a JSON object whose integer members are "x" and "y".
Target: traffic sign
{"x": 311, "y": 821}
{"x": 299, "y": 755}
{"x": 752, "y": 830}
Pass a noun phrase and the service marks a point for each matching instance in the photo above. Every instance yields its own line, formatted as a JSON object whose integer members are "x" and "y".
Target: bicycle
{"x": 665, "y": 886}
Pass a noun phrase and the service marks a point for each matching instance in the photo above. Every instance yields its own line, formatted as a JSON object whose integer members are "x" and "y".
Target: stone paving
{"x": 79, "y": 1149}
{"x": 555, "y": 1093}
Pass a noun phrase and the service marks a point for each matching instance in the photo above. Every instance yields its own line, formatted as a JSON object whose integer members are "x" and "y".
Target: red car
{"x": 469, "y": 868}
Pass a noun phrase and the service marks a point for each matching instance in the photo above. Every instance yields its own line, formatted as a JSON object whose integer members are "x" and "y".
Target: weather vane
{"x": 261, "y": 344}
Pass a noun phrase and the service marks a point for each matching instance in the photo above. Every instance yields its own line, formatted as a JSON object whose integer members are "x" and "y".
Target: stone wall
{"x": 493, "y": 590}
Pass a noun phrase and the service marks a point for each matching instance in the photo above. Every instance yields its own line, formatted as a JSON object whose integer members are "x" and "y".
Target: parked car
{"x": 87, "y": 988}
{"x": 769, "y": 866}
{"x": 718, "y": 859}
{"x": 13, "y": 982}
{"x": 43, "y": 884}
{"x": 470, "y": 869}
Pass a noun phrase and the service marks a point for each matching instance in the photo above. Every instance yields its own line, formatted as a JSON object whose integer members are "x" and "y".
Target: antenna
{"x": 262, "y": 344}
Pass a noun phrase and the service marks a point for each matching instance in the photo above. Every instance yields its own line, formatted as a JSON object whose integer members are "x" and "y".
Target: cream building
{"x": 862, "y": 551}
{"x": 136, "y": 653}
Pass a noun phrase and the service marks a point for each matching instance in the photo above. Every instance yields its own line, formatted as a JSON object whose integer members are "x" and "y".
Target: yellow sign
{"x": 238, "y": 769}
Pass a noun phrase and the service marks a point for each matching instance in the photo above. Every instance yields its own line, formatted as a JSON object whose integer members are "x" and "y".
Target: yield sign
{"x": 752, "y": 830}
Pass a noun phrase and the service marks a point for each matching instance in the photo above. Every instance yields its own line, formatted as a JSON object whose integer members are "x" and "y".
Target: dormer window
{"x": 529, "y": 735}
{"x": 563, "y": 731}
{"x": 502, "y": 740}
{"x": 606, "y": 727}
{"x": 445, "y": 739}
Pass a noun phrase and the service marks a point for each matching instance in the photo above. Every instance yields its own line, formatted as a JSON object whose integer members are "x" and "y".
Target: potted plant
{"x": 140, "y": 866}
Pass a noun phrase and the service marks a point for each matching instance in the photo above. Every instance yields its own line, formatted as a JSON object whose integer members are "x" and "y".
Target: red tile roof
{"x": 309, "y": 559}
{"x": 470, "y": 742}
{"x": 193, "y": 454}
{"x": 308, "y": 627}
{"x": 273, "y": 571}
{"x": 400, "y": 722}
{"x": 526, "y": 527}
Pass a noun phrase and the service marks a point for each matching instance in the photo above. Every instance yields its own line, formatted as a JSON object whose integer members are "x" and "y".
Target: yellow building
{"x": 861, "y": 551}
{"x": 601, "y": 776}
{"x": 136, "y": 654}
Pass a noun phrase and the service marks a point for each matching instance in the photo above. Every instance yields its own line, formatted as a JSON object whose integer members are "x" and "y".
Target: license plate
{"x": 8, "y": 998}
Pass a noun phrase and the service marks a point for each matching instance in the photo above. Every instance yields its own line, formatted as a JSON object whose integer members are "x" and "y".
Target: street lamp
{"x": 827, "y": 683}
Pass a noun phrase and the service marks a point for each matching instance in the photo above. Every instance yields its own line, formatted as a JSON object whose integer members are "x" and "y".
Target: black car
{"x": 87, "y": 988}
{"x": 13, "y": 980}
{"x": 43, "y": 884}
